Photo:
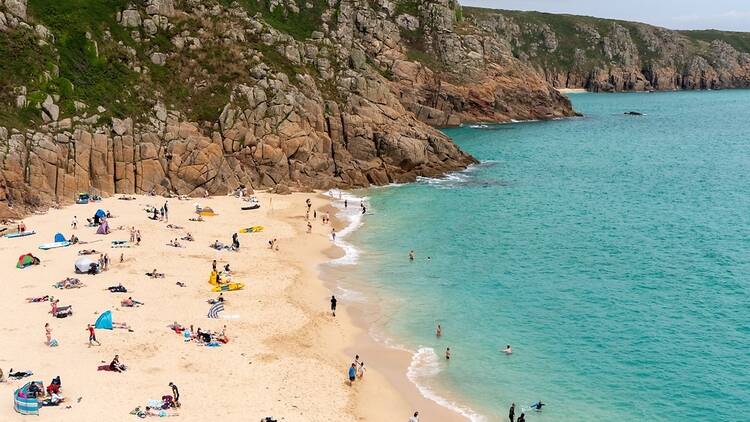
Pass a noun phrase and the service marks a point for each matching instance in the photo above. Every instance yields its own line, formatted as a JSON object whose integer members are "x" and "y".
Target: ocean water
{"x": 611, "y": 251}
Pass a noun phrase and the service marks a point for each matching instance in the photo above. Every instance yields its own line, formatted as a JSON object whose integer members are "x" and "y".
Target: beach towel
{"x": 216, "y": 309}
{"x": 105, "y": 368}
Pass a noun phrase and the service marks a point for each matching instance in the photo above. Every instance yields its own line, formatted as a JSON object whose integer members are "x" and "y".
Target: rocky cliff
{"x": 608, "y": 55}
{"x": 202, "y": 96}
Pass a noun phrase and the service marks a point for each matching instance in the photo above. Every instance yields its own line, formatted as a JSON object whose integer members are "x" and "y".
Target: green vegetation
{"x": 571, "y": 38}
{"x": 410, "y": 7}
{"x": 298, "y": 25}
{"x": 738, "y": 40}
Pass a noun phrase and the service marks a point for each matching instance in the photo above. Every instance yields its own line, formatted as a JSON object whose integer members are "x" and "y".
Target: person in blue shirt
{"x": 352, "y": 373}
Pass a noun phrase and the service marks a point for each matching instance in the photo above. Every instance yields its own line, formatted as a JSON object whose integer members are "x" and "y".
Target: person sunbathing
{"x": 117, "y": 289}
{"x": 88, "y": 252}
{"x": 73, "y": 239}
{"x": 188, "y": 237}
{"x": 116, "y": 365}
{"x": 198, "y": 218}
{"x": 175, "y": 243}
{"x": 217, "y": 245}
{"x": 37, "y": 299}
{"x": 172, "y": 226}
{"x": 130, "y": 303}
{"x": 155, "y": 274}
{"x": 19, "y": 374}
{"x": 177, "y": 328}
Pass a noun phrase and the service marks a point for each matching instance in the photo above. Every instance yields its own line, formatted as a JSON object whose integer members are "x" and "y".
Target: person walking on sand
{"x": 166, "y": 211}
{"x": 448, "y": 354}
{"x": 333, "y": 305}
{"x": 439, "y": 331}
{"x": 137, "y": 237}
{"x": 309, "y": 228}
{"x": 48, "y": 333}
{"x": 74, "y": 223}
{"x": 512, "y": 412}
{"x": 92, "y": 336}
{"x": 361, "y": 370}
{"x": 333, "y": 234}
{"x": 414, "y": 418}
{"x": 352, "y": 373}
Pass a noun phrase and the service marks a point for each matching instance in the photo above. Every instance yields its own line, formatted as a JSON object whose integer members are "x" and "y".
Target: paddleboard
{"x": 253, "y": 229}
{"x": 54, "y": 245}
{"x": 20, "y": 234}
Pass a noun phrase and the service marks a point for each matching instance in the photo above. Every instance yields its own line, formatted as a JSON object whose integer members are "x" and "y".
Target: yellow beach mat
{"x": 253, "y": 229}
{"x": 207, "y": 213}
{"x": 228, "y": 287}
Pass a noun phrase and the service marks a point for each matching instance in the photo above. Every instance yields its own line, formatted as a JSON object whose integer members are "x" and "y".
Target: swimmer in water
{"x": 411, "y": 255}
{"x": 508, "y": 350}
{"x": 448, "y": 354}
{"x": 439, "y": 331}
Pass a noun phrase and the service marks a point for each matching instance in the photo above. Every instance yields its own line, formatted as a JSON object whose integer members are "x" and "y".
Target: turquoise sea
{"x": 611, "y": 251}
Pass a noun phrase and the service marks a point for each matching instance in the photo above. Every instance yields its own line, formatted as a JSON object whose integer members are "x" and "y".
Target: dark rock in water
{"x": 633, "y": 113}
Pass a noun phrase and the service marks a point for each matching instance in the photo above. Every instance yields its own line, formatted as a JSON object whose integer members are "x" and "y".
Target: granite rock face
{"x": 351, "y": 103}
{"x": 606, "y": 55}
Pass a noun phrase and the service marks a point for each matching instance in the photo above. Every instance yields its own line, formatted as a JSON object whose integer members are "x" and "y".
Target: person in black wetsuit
{"x": 175, "y": 393}
{"x": 333, "y": 305}
{"x": 512, "y": 412}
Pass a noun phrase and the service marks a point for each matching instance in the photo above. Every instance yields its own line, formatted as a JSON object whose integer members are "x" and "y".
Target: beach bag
{"x": 53, "y": 343}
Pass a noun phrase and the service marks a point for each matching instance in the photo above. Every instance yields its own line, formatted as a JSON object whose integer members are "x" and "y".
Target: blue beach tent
{"x": 100, "y": 213}
{"x": 26, "y": 405}
{"x": 59, "y": 237}
{"x": 104, "y": 322}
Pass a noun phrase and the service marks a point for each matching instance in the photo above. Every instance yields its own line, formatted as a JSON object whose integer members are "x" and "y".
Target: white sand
{"x": 285, "y": 358}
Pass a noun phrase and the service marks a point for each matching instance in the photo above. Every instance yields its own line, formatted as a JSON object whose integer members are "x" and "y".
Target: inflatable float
{"x": 228, "y": 287}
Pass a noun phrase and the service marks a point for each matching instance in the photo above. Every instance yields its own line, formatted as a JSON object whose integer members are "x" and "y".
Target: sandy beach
{"x": 571, "y": 90}
{"x": 286, "y": 357}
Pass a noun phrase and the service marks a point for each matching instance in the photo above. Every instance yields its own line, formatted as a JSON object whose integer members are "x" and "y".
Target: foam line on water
{"x": 426, "y": 364}
{"x": 353, "y": 216}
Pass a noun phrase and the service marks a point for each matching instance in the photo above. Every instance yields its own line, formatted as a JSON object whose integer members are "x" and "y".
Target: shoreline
{"x": 566, "y": 91}
{"x": 392, "y": 363}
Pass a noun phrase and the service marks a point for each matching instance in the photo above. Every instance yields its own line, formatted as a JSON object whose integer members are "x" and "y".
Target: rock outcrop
{"x": 200, "y": 97}
{"x": 606, "y": 55}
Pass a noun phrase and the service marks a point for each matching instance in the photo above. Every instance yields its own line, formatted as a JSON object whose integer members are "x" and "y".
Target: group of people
{"x": 204, "y": 337}
{"x": 356, "y": 370}
{"x": 51, "y": 396}
{"x": 522, "y": 417}
{"x": 135, "y": 236}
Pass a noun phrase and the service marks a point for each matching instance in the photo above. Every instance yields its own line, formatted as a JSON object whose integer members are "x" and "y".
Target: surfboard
{"x": 20, "y": 234}
{"x": 54, "y": 245}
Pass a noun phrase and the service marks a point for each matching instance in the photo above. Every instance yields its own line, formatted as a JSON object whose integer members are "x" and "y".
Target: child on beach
{"x": 92, "y": 336}
{"x": 352, "y": 373}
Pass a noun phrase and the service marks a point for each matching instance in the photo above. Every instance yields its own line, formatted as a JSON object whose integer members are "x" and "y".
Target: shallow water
{"x": 611, "y": 252}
